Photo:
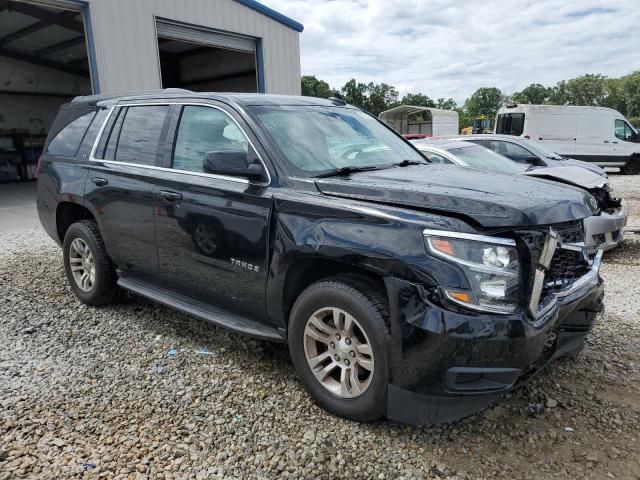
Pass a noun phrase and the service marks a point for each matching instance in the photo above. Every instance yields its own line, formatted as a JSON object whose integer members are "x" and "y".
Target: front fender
{"x": 387, "y": 242}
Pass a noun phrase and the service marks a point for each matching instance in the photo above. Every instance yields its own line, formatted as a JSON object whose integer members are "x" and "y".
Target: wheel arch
{"x": 307, "y": 270}
{"x": 67, "y": 213}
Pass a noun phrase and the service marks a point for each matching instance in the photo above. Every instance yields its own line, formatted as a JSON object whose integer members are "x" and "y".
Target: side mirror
{"x": 534, "y": 161}
{"x": 234, "y": 163}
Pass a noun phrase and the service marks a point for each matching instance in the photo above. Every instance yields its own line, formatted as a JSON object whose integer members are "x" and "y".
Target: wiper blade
{"x": 345, "y": 171}
{"x": 406, "y": 163}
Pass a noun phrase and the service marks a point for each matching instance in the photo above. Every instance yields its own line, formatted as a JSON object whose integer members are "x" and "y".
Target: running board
{"x": 198, "y": 309}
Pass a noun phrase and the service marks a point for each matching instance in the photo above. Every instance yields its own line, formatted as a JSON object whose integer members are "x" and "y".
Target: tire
{"x": 360, "y": 299}
{"x": 103, "y": 289}
{"x": 632, "y": 167}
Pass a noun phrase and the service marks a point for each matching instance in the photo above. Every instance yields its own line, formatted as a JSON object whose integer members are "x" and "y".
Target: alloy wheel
{"x": 82, "y": 264}
{"x": 338, "y": 352}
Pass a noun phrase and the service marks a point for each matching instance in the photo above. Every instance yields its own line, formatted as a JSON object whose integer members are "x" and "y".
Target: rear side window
{"x": 511, "y": 150}
{"x": 136, "y": 135}
{"x": 510, "y": 124}
{"x": 67, "y": 140}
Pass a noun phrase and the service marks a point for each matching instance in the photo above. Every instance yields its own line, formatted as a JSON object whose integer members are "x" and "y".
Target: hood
{"x": 577, "y": 163}
{"x": 574, "y": 175}
{"x": 490, "y": 199}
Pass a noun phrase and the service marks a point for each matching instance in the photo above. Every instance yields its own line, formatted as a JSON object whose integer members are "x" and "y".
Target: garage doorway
{"x": 204, "y": 60}
{"x": 43, "y": 64}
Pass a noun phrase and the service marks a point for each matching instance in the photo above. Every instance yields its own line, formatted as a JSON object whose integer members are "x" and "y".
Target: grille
{"x": 566, "y": 265}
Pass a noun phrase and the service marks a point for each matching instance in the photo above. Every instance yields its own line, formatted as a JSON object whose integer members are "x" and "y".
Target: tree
{"x": 587, "y": 89}
{"x": 629, "y": 92}
{"x": 446, "y": 104}
{"x": 314, "y": 87}
{"x": 374, "y": 98}
{"x": 534, "y": 94}
{"x": 354, "y": 93}
{"x": 417, "y": 99}
{"x": 484, "y": 101}
{"x": 380, "y": 98}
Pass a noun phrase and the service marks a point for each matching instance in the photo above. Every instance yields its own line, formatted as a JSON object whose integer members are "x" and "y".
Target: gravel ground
{"x": 88, "y": 392}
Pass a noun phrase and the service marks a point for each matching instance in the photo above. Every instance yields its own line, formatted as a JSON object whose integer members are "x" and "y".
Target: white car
{"x": 594, "y": 134}
{"x": 605, "y": 230}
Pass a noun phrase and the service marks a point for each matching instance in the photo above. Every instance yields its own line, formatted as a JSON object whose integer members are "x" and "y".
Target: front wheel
{"x": 88, "y": 267}
{"x": 339, "y": 344}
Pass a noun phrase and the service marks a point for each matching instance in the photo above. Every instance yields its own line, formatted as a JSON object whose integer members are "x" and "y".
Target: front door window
{"x": 624, "y": 131}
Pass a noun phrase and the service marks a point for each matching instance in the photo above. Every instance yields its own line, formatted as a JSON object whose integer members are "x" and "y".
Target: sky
{"x": 449, "y": 48}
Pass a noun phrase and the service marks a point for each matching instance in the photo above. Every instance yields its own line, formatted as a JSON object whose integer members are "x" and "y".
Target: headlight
{"x": 490, "y": 264}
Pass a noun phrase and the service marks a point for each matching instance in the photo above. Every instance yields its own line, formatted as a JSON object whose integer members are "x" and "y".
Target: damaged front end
{"x": 450, "y": 362}
{"x": 606, "y": 230}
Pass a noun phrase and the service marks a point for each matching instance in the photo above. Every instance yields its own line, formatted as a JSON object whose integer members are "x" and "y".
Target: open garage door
{"x": 205, "y": 60}
{"x": 43, "y": 64}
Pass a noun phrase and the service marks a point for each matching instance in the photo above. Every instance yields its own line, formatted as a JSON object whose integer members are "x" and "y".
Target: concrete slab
{"x": 18, "y": 207}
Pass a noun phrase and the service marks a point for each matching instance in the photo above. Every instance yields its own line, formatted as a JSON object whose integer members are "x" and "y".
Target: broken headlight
{"x": 490, "y": 264}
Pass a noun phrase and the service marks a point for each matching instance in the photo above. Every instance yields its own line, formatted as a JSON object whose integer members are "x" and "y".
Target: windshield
{"x": 542, "y": 151}
{"x": 484, "y": 159}
{"x": 316, "y": 140}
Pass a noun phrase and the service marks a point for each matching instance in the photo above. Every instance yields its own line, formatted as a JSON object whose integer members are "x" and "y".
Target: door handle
{"x": 170, "y": 196}
{"x": 606, "y": 141}
{"x": 614, "y": 142}
{"x": 99, "y": 181}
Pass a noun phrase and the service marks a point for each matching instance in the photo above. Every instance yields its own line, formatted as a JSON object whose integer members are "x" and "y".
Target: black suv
{"x": 404, "y": 289}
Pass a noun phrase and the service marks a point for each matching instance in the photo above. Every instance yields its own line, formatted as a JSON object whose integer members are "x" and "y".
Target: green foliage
{"x": 417, "y": 99}
{"x": 446, "y": 104}
{"x": 484, "y": 102}
{"x": 534, "y": 94}
{"x": 313, "y": 87}
{"x": 371, "y": 97}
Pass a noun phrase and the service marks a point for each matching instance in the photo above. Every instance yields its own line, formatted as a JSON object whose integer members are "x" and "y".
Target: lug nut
{"x": 337, "y": 336}
{"x": 352, "y": 353}
{"x": 346, "y": 361}
{"x": 337, "y": 358}
{"x": 333, "y": 345}
{"x": 347, "y": 341}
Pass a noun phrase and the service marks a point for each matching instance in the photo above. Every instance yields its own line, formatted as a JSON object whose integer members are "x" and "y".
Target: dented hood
{"x": 574, "y": 175}
{"x": 490, "y": 199}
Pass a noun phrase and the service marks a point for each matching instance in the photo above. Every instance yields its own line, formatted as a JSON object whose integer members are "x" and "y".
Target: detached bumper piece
{"x": 607, "y": 229}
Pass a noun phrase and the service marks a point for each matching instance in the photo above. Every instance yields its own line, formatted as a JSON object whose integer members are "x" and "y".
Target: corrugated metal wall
{"x": 127, "y": 50}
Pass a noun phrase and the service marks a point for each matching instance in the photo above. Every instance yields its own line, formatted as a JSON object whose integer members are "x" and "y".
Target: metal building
{"x": 53, "y": 50}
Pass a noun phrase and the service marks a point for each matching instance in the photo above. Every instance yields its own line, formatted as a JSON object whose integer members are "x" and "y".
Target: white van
{"x": 595, "y": 134}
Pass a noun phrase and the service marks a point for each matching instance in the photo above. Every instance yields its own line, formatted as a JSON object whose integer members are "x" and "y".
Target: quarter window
{"x": 67, "y": 140}
{"x": 136, "y": 135}
{"x": 624, "y": 131}
{"x": 202, "y": 130}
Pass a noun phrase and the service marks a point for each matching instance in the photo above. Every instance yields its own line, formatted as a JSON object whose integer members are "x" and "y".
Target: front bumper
{"x": 447, "y": 364}
{"x": 605, "y": 230}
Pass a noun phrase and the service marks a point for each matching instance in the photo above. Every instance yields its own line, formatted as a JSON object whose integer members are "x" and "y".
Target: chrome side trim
{"x": 92, "y": 157}
{"x": 469, "y": 236}
{"x": 549, "y": 249}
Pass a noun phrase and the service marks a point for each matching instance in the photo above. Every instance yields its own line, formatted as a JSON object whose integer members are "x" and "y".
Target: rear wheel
{"x": 88, "y": 267}
{"x": 339, "y": 344}
{"x": 632, "y": 167}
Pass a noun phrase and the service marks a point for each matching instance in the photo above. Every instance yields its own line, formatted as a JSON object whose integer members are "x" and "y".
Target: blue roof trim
{"x": 278, "y": 17}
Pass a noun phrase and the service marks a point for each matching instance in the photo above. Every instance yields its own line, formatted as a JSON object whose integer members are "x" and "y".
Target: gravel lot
{"x": 88, "y": 392}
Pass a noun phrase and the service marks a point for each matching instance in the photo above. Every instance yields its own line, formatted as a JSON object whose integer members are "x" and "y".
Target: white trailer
{"x": 595, "y": 134}
{"x": 415, "y": 120}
